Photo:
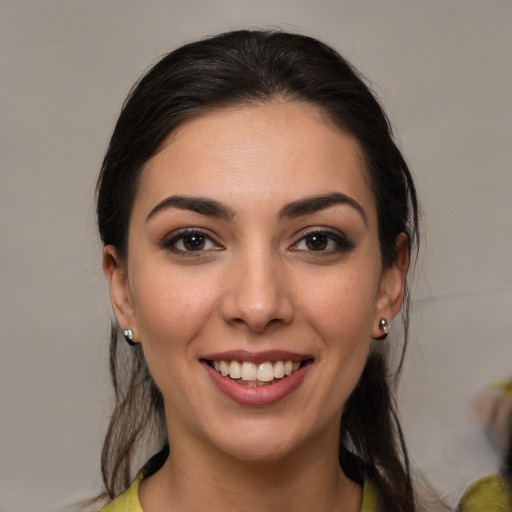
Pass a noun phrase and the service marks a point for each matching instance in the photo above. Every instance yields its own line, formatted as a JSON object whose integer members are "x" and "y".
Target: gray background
{"x": 444, "y": 72}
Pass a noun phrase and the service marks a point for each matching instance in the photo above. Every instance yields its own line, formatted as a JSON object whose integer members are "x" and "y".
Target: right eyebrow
{"x": 200, "y": 205}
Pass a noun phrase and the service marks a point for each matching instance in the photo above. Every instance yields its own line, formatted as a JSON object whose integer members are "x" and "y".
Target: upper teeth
{"x": 264, "y": 372}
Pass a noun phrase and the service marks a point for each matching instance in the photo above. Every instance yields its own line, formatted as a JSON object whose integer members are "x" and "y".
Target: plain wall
{"x": 443, "y": 70}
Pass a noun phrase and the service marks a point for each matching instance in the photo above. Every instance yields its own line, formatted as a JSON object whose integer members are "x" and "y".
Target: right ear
{"x": 120, "y": 293}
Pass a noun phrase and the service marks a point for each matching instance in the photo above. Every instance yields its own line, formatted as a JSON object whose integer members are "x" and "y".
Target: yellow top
{"x": 129, "y": 500}
{"x": 489, "y": 494}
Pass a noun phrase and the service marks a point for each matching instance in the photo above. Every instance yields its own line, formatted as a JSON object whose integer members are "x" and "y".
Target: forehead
{"x": 256, "y": 152}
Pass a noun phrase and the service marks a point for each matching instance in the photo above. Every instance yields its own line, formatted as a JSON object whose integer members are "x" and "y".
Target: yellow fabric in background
{"x": 505, "y": 387}
{"x": 489, "y": 494}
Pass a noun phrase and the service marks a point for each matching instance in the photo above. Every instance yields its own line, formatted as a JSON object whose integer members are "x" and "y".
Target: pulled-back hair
{"x": 238, "y": 68}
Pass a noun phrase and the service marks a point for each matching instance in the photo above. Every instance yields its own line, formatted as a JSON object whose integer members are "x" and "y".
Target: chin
{"x": 261, "y": 443}
{"x": 260, "y": 453}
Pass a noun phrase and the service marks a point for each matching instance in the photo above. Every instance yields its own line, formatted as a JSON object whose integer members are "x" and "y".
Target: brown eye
{"x": 324, "y": 242}
{"x": 317, "y": 242}
{"x": 194, "y": 242}
{"x": 190, "y": 241}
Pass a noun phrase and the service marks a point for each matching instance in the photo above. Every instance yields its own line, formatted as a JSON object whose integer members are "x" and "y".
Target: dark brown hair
{"x": 238, "y": 68}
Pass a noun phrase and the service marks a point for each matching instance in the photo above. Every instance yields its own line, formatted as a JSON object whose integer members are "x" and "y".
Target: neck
{"x": 202, "y": 478}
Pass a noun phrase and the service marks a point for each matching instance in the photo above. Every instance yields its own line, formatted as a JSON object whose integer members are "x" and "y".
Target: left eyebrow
{"x": 317, "y": 203}
{"x": 201, "y": 205}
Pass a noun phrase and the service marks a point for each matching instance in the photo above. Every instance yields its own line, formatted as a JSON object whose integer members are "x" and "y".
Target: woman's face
{"x": 253, "y": 252}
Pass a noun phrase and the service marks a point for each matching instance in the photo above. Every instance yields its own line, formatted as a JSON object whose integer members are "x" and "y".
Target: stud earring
{"x": 384, "y": 327}
{"x": 128, "y": 336}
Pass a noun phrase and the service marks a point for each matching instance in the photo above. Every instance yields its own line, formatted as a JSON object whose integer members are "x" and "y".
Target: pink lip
{"x": 257, "y": 395}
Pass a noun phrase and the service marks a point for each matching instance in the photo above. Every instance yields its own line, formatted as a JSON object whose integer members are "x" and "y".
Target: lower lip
{"x": 257, "y": 395}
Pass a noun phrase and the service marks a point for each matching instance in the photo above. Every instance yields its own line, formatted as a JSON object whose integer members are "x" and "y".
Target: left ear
{"x": 392, "y": 286}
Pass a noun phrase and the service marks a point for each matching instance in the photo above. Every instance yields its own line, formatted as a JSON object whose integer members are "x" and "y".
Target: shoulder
{"x": 489, "y": 494}
{"x": 128, "y": 501}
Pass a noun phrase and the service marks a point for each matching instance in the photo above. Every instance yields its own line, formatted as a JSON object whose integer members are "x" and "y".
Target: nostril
{"x": 254, "y": 296}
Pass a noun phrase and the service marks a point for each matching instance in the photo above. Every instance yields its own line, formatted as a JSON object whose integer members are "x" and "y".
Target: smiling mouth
{"x": 251, "y": 374}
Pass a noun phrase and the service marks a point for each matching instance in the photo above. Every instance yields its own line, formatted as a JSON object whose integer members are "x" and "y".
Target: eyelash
{"x": 325, "y": 236}
{"x": 180, "y": 236}
{"x": 342, "y": 244}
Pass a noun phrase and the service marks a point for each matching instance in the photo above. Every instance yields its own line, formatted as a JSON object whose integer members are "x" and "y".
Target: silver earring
{"x": 128, "y": 336}
{"x": 384, "y": 327}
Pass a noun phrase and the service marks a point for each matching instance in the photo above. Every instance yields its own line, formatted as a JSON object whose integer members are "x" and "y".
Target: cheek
{"x": 171, "y": 307}
{"x": 341, "y": 311}
{"x": 342, "y": 307}
{"x": 171, "y": 310}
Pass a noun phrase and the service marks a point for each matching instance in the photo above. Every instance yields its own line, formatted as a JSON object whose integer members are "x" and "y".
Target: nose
{"x": 256, "y": 293}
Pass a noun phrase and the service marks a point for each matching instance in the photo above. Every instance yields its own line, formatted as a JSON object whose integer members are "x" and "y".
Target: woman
{"x": 258, "y": 221}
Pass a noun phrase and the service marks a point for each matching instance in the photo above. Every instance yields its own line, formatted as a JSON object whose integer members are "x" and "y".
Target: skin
{"x": 258, "y": 283}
